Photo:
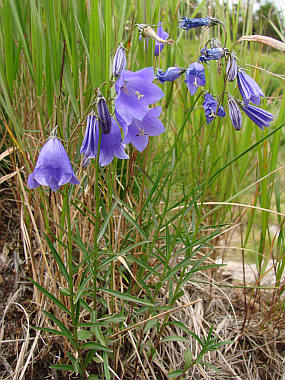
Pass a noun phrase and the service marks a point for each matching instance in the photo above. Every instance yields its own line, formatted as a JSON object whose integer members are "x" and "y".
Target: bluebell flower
{"x": 104, "y": 117}
{"x": 162, "y": 35}
{"x": 249, "y": 89}
{"x": 214, "y": 53}
{"x": 135, "y": 93}
{"x": 259, "y": 116}
{"x": 210, "y": 106}
{"x": 169, "y": 74}
{"x": 138, "y": 132}
{"x": 53, "y": 167}
{"x": 189, "y": 23}
{"x": 111, "y": 144}
{"x": 195, "y": 77}
{"x": 235, "y": 113}
{"x": 232, "y": 67}
{"x": 119, "y": 61}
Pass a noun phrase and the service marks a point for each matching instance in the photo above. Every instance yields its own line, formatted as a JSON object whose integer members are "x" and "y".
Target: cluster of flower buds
{"x": 250, "y": 93}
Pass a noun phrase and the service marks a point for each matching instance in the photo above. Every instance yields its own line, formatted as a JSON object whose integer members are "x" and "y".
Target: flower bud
{"x": 235, "y": 114}
{"x": 232, "y": 67}
{"x": 104, "y": 117}
{"x": 119, "y": 62}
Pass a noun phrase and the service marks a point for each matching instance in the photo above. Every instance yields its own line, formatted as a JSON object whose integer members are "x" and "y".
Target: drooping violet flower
{"x": 235, "y": 113}
{"x": 119, "y": 61}
{"x": 169, "y": 74}
{"x": 135, "y": 93}
{"x": 139, "y": 131}
{"x": 163, "y": 35}
{"x": 104, "y": 117}
{"x": 210, "y": 106}
{"x": 160, "y": 36}
{"x": 53, "y": 167}
{"x": 249, "y": 89}
{"x": 214, "y": 53}
{"x": 195, "y": 77}
{"x": 189, "y": 23}
{"x": 88, "y": 147}
{"x": 111, "y": 144}
{"x": 259, "y": 116}
{"x": 232, "y": 67}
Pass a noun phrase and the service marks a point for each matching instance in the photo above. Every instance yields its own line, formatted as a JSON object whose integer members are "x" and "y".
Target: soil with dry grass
{"x": 257, "y": 353}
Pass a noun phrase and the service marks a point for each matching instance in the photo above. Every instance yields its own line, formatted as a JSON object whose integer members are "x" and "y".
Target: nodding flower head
{"x": 214, "y": 53}
{"x": 119, "y": 61}
{"x": 259, "y": 116}
{"x": 235, "y": 113}
{"x": 211, "y": 108}
{"x": 53, "y": 167}
{"x": 135, "y": 92}
{"x": 111, "y": 144}
{"x": 195, "y": 77}
{"x": 163, "y": 36}
{"x": 169, "y": 74}
{"x": 232, "y": 67}
{"x": 249, "y": 89}
{"x": 190, "y": 23}
{"x": 138, "y": 132}
{"x": 160, "y": 36}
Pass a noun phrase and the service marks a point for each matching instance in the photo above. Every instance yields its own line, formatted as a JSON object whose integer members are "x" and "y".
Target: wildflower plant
{"x": 126, "y": 238}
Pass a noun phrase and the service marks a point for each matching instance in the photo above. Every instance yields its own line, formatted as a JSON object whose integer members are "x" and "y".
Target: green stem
{"x": 70, "y": 283}
{"x": 97, "y": 219}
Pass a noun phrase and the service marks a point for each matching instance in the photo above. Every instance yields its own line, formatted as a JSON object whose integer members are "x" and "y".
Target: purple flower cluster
{"x": 135, "y": 94}
{"x": 135, "y": 115}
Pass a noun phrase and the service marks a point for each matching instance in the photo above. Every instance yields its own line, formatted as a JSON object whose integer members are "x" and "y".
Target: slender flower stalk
{"x": 96, "y": 226}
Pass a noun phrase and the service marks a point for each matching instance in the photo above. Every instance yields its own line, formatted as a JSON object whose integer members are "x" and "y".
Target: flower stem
{"x": 70, "y": 283}
{"x": 97, "y": 217}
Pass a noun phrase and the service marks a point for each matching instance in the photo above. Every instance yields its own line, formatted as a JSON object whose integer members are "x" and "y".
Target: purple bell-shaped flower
{"x": 53, "y": 167}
